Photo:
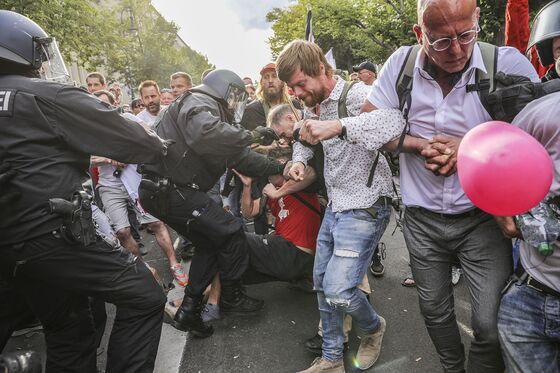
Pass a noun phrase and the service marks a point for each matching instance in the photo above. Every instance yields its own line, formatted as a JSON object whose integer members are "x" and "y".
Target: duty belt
{"x": 162, "y": 181}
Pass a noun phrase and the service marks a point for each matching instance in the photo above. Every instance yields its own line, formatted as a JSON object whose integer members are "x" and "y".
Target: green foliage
{"x": 370, "y": 29}
{"x": 131, "y": 40}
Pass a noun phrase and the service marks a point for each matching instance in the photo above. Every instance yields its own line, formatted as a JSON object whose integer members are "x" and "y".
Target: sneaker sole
{"x": 377, "y": 274}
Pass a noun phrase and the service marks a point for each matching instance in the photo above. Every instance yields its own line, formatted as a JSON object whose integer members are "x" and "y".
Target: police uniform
{"x": 206, "y": 145}
{"x": 47, "y": 133}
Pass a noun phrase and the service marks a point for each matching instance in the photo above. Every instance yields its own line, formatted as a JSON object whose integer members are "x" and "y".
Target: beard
{"x": 313, "y": 98}
{"x": 274, "y": 94}
{"x": 153, "y": 108}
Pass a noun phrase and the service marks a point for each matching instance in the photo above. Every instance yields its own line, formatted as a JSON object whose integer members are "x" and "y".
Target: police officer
{"x": 545, "y": 35}
{"x": 48, "y": 131}
{"x": 206, "y": 145}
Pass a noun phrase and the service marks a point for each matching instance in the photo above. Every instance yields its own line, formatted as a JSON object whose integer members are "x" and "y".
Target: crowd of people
{"x": 302, "y": 154}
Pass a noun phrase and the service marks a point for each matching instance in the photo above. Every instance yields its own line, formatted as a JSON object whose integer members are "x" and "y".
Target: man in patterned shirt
{"x": 359, "y": 207}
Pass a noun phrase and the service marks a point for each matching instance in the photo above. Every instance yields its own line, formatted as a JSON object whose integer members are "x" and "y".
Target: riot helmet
{"x": 25, "y": 44}
{"x": 228, "y": 88}
{"x": 546, "y": 26}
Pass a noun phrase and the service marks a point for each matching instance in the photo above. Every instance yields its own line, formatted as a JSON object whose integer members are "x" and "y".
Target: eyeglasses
{"x": 465, "y": 38}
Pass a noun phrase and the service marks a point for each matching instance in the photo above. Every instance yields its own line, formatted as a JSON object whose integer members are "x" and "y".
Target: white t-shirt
{"x": 145, "y": 116}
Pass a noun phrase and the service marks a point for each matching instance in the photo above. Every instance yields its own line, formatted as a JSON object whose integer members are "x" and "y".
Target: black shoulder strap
{"x": 342, "y": 108}
{"x": 306, "y": 204}
{"x": 485, "y": 81}
{"x": 404, "y": 90}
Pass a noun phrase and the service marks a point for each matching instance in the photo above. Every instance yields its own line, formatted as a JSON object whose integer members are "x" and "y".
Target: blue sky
{"x": 233, "y": 34}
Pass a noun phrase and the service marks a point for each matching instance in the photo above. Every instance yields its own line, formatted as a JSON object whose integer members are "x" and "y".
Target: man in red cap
{"x": 270, "y": 93}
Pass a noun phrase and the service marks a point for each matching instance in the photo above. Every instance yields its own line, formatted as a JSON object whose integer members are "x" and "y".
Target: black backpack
{"x": 502, "y": 95}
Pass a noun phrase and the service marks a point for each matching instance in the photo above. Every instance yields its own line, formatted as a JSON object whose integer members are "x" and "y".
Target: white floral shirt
{"x": 348, "y": 163}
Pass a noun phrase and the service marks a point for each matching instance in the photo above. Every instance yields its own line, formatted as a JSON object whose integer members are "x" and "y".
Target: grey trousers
{"x": 434, "y": 241}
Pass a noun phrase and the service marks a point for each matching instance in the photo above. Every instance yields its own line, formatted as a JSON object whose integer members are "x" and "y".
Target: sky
{"x": 233, "y": 34}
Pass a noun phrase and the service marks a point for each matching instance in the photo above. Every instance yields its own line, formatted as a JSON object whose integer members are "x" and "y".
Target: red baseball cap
{"x": 268, "y": 66}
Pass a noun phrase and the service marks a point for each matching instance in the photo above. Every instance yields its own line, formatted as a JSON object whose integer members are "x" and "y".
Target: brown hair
{"x": 303, "y": 55}
{"x": 183, "y": 75}
{"x": 146, "y": 84}
{"x": 97, "y": 75}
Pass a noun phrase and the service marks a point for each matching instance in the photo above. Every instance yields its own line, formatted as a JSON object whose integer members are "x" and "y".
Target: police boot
{"x": 234, "y": 301}
{"x": 188, "y": 317}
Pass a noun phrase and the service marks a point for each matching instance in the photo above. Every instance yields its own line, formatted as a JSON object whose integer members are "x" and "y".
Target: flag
{"x": 517, "y": 24}
{"x": 330, "y": 58}
{"x": 309, "y": 26}
{"x": 517, "y": 31}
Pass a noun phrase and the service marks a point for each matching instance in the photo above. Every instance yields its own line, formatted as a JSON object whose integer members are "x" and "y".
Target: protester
{"x": 166, "y": 97}
{"x": 150, "y": 96}
{"x": 527, "y": 307}
{"x": 435, "y": 202}
{"x": 137, "y": 106}
{"x": 180, "y": 82}
{"x": 359, "y": 207}
{"x": 95, "y": 82}
{"x": 367, "y": 72}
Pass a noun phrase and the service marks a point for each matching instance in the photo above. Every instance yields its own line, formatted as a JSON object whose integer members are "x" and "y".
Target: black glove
{"x": 264, "y": 135}
{"x": 6, "y": 174}
{"x": 166, "y": 144}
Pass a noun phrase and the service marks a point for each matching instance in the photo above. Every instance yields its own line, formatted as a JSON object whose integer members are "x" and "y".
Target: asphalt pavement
{"x": 273, "y": 340}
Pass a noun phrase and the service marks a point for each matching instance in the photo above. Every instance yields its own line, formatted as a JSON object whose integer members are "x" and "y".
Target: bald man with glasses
{"x": 441, "y": 224}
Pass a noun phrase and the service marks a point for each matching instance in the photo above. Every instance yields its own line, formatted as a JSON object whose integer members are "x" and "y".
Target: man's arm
{"x": 291, "y": 186}
{"x": 249, "y": 207}
{"x": 89, "y": 126}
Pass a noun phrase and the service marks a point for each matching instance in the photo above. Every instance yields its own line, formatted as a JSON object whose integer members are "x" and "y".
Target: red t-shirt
{"x": 296, "y": 222}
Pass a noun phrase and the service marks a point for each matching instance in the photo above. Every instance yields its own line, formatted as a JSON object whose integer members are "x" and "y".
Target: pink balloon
{"x": 502, "y": 169}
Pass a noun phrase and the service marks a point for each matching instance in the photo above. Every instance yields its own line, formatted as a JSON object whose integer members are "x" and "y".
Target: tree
{"x": 370, "y": 29}
{"x": 131, "y": 40}
{"x": 80, "y": 28}
{"x": 356, "y": 29}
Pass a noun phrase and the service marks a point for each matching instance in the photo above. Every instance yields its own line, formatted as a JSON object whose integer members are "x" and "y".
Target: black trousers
{"x": 220, "y": 242}
{"x": 55, "y": 279}
{"x": 273, "y": 258}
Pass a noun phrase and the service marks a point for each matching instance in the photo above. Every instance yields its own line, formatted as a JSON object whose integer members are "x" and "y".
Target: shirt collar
{"x": 337, "y": 90}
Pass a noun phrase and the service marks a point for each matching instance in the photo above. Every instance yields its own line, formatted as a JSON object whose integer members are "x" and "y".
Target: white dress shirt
{"x": 432, "y": 114}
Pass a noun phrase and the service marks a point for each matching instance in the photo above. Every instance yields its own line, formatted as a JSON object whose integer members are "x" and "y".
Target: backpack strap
{"x": 297, "y": 196}
{"x": 404, "y": 90}
{"x": 342, "y": 108}
{"x": 485, "y": 81}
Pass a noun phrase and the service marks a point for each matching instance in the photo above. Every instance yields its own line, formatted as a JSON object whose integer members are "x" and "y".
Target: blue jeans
{"x": 344, "y": 249}
{"x": 529, "y": 329}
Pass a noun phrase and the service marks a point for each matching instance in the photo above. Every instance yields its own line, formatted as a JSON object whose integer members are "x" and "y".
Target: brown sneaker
{"x": 370, "y": 347}
{"x": 321, "y": 365}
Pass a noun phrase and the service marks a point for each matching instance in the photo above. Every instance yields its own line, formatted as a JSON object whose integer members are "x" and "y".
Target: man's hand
{"x": 6, "y": 175}
{"x": 441, "y": 155}
{"x": 297, "y": 171}
{"x": 246, "y": 180}
{"x": 270, "y": 191}
{"x": 508, "y": 226}
{"x": 313, "y": 131}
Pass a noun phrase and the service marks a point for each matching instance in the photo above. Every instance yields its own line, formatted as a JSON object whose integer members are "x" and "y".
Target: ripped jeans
{"x": 344, "y": 249}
